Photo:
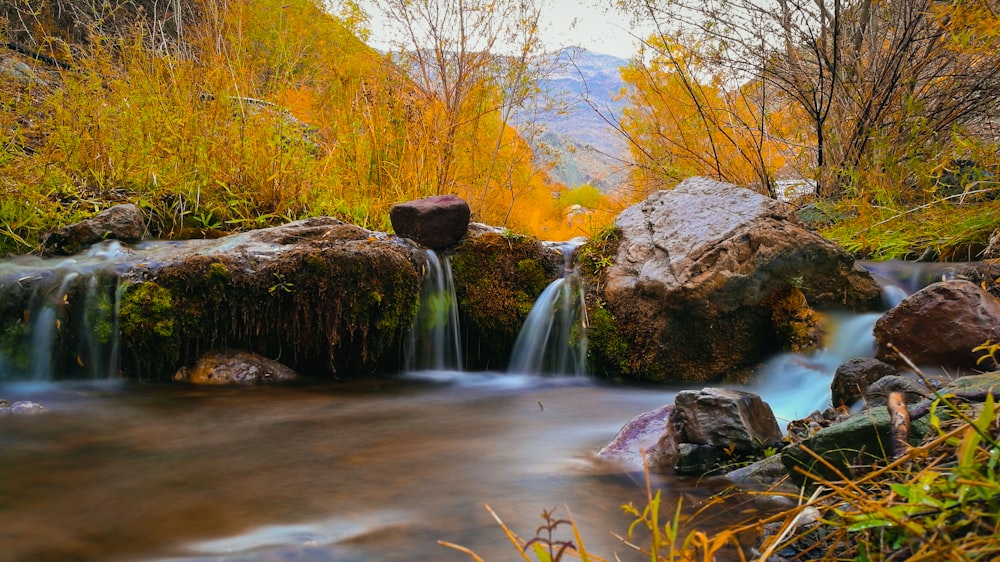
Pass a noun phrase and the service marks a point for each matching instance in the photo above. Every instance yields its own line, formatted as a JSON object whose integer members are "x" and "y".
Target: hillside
{"x": 585, "y": 87}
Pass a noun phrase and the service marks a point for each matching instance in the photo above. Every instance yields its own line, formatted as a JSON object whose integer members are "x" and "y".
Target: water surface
{"x": 371, "y": 470}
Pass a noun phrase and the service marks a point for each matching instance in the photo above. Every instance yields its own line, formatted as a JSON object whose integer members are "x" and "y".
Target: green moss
{"x": 217, "y": 271}
{"x": 12, "y": 347}
{"x": 498, "y": 278}
{"x": 608, "y": 352}
{"x": 147, "y": 308}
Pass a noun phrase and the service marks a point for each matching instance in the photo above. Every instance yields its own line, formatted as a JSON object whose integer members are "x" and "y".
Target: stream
{"x": 358, "y": 470}
{"x": 378, "y": 469}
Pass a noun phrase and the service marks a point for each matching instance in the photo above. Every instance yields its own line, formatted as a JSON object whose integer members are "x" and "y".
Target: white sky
{"x": 591, "y": 24}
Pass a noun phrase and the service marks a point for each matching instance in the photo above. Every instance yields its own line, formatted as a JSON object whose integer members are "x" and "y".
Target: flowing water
{"x": 434, "y": 339}
{"x": 552, "y": 339}
{"x": 379, "y": 469}
{"x": 376, "y": 469}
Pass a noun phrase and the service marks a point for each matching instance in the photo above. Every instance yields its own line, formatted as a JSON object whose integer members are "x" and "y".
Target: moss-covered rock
{"x": 322, "y": 296}
{"x": 498, "y": 276}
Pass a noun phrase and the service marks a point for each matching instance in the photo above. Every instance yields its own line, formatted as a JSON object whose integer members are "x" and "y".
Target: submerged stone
{"x": 229, "y": 366}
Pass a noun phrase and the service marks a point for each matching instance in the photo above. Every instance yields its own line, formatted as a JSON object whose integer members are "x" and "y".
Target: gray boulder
{"x": 641, "y": 433}
{"x": 699, "y": 272}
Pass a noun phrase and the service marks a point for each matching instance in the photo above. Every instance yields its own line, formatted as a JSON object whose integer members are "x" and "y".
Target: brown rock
{"x": 433, "y": 222}
{"x": 121, "y": 222}
{"x": 853, "y": 378}
{"x": 939, "y": 326}
{"x": 228, "y": 366}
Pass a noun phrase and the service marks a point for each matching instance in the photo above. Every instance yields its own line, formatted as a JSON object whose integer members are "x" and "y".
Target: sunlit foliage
{"x": 237, "y": 114}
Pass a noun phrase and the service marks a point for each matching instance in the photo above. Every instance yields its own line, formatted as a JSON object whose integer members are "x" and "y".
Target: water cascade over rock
{"x": 59, "y": 317}
{"x": 553, "y": 338}
{"x": 434, "y": 338}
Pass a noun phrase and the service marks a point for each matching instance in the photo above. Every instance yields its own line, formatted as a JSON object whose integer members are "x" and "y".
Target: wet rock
{"x": 641, "y": 433}
{"x": 853, "y": 377}
{"x": 21, "y": 407}
{"x": 717, "y": 426}
{"x": 435, "y": 222}
{"x": 228, "y": 366}
{"x": 498, "y": 277}
{"x": 939, "y": 326}
{"x": 696, "y": 273}
{"x": 327, "y": 297}
{"x": 764, "y": 474}
{"x": 121, "y": 222}
{"x": 913, "y": 390}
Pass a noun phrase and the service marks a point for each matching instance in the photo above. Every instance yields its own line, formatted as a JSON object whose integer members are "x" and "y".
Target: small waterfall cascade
{"x": 796, "y": 385}
{"x": 553, "y": 339}
{"x": 435, "y": 343}
{"x": 59, "y": 317}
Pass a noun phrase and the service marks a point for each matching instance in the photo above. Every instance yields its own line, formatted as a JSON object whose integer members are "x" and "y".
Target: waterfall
{"x": 553, "y": 338}
{"x": 59, "y": 317}
{"x": 434, "y": 338}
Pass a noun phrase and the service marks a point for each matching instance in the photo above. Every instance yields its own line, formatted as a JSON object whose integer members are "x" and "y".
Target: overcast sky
{"x": 565, "y": 23}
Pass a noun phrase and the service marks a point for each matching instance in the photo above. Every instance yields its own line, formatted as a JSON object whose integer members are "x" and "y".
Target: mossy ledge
{"x": 498, "y": 277}
{"x": 323, "y": 297}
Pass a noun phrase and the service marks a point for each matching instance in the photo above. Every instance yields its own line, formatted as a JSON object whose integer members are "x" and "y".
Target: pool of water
{"x": 379, "y": 469}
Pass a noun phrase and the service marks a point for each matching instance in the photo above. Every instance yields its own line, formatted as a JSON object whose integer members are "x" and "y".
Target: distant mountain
{"x": 585, "y": 85}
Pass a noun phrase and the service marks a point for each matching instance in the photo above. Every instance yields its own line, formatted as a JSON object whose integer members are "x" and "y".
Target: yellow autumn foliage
{"x": 251, "y": 114}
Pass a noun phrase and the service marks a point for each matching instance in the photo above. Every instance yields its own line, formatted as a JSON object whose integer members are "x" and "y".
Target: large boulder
{"x": 700, "y": 275}
{"x": 939, "y": 326}
{"x": 436, "y": 222}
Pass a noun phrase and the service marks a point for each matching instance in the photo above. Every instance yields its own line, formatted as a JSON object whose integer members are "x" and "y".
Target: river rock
{"x": 230, "y": 366}
{"x": 436, "y": 222}
{"x": 852, "y": 379}
{"x": 20, "y": 407}
{"x": 641, "y": 433}
{"x": 852, "y": 447}
{"x": 714, "y": 426}
{"x": 121, "y": 222}
{"x": 912, "y": 389}
{"x": 939, "y": 326}
{"x": 696, "y": 272}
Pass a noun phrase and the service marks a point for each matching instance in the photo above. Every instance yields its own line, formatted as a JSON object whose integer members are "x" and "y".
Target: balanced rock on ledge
{"x": 433, "y": 222}
{"x": 699, "y": 274}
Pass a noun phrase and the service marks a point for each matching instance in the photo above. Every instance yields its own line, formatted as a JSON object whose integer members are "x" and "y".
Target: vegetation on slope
{"x": 237, "y": 114}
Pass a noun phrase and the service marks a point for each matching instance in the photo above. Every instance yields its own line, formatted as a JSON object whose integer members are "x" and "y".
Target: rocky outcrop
{"x": 852, "y": 447}
{"x": 696, "y": 277}
{"x": 235, "y": 367}
{"x": 121, "y": 222}
{"x": 437, "y": 222}
{"x": 939, "y": 326}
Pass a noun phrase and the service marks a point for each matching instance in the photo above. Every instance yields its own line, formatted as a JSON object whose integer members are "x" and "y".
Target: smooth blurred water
{"x": 379, "y": 469}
